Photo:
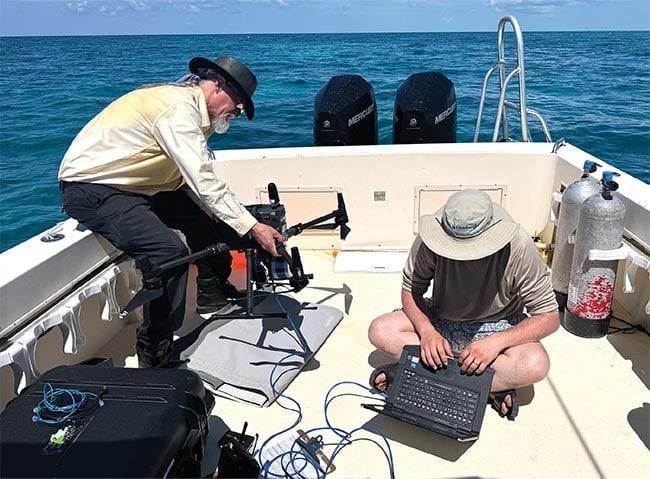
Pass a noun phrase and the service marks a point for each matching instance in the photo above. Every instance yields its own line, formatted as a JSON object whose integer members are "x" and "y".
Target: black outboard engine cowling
{"x": 345, "y": 112}
{"x": 425, "y": 110}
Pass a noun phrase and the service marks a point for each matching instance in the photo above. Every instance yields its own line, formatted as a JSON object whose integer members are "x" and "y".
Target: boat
{"x": 62, "y": 293}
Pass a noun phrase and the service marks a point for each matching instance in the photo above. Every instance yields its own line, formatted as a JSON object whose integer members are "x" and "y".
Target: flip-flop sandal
{"x": 498, "y": 400}
{"x": 389, "y": 370}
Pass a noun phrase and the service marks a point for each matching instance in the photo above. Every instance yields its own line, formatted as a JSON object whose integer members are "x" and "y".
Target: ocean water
{"x": 592, "y": 88}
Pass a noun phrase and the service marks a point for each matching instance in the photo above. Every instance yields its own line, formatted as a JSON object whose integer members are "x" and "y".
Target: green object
{"x": 58, "y": 437}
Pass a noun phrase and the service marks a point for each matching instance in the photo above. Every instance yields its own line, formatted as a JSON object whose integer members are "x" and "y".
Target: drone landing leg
{"x": 248, "y": 312}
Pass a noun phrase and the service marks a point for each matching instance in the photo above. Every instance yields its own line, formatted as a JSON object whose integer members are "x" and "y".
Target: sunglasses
{"x": 237, "y": 98}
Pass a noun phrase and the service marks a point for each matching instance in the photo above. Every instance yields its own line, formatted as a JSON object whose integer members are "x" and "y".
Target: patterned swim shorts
{"x": 461, "y": 333}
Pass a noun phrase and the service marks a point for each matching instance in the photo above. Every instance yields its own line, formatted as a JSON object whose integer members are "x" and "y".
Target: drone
{"x": 262, "y": 268}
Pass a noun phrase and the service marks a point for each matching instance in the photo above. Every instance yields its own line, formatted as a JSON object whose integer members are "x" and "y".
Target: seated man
{"x": 142, "y": 167}
{"x": 485, "y": 270}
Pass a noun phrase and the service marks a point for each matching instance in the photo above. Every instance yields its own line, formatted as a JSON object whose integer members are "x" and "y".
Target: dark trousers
{"x": 140, "y": 225}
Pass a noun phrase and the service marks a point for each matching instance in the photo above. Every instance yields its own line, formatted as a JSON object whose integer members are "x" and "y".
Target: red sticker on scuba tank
{"x": 597, "y": 302}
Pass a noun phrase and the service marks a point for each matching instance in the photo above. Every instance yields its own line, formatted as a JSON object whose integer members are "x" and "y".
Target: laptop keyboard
{"x": 444, "y": 403}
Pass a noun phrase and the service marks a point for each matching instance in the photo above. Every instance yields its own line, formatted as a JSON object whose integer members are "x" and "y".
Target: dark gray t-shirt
{"x": 487, "y": 289}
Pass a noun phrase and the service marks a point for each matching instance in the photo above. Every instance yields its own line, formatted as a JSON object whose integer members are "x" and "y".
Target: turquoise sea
{"x": 593, "y": 89}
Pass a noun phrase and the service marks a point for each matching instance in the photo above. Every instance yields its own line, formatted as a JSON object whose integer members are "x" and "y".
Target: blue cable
{"x": 300, "y": 337}
{"x": 51, "y": 396}
{"x": 345, "y": 436}
{"x": 341, "y": 444}
{"x": 298, "y": 410}
{"x": 293, "y": 456}
{"x": 327, "y": 401}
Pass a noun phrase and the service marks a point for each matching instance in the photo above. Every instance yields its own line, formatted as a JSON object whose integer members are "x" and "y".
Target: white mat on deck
{"x": 370, "y": 261}
{"x": 237, "y": 357}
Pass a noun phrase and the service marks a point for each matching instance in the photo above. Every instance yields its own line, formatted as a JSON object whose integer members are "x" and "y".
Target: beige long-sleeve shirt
{"x": 487, "y": 289}
{"x": 151, "y": 140}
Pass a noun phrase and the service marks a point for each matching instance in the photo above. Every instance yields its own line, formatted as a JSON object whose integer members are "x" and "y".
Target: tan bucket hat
{"x": 469, "y": 226}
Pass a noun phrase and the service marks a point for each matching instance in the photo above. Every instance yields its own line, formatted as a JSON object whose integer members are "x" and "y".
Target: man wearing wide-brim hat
{"x": 491, "y": 301}
{"x": 142, "y": 167}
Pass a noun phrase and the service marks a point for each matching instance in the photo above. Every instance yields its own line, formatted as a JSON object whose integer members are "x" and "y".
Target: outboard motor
{"x": 345, "y": 112}
{"x": 591, "y": 287}
{"x": 572, "y": 198}
{"x": 425, "y": 110}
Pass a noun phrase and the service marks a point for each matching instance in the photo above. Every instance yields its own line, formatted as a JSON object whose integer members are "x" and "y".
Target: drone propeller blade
{"x": 299, "y": 279}
{"x": 343, "y": 212}
{"x": 273, "y": 193}
{"x": 297, "y": 262}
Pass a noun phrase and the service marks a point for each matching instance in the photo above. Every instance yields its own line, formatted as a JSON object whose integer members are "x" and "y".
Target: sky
{"x": 128, "y": 17}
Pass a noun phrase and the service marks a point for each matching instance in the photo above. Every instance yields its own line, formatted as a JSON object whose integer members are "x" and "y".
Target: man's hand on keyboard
{"x": 478, "y": 355}
{"x": 434, "y": 349}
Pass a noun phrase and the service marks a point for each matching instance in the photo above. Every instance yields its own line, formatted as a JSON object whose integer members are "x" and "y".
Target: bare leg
{"x": 519, "y": 366}
{"x": 390, "y": 332}
{"x": 514, "y": 368}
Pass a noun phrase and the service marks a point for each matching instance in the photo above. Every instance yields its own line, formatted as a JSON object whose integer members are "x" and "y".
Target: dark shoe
{"x": 150, "y": 357}
{"x": 389, "y": 371}
{"x": 213, "y": 295}
{"x": 498, "y": 399}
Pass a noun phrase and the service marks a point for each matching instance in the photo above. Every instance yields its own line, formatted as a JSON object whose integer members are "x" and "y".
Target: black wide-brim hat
{"x": 235, "y": 73}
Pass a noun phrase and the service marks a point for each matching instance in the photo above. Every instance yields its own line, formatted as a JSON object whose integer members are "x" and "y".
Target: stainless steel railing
{"x": 502, "y": 65}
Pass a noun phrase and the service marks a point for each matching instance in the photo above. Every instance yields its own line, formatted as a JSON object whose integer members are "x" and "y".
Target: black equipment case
{"x": 153, "y": 423}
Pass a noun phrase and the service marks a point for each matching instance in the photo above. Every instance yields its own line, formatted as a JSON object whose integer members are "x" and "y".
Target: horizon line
{"x": 305, "y": 33}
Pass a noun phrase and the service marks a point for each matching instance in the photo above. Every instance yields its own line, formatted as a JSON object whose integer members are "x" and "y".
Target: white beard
{"x": 221, "y": 124}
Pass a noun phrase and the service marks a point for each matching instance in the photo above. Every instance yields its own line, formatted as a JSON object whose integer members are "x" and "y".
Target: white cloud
{"x": 531, "y": 6}
{"x": 79, "y": 7}
{"x": 280, "y": 2}
{"x": 106, "y": 7}
{"x": 137, "y": 5}
{"x": 113, "y": 7}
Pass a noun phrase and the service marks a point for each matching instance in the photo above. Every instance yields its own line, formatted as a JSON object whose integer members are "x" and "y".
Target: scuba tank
{"x": 572, "y": 198}
{"x": 591, "y": 286}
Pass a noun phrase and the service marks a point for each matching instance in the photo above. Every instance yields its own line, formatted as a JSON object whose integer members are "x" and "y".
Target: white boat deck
{"x": 589, "y": 418}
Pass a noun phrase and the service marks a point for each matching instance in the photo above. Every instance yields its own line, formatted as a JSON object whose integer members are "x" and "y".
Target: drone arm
{"x": 151, "y": 275}
{"x": 340, "y": 218}
{"x": 209, "y": 251}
